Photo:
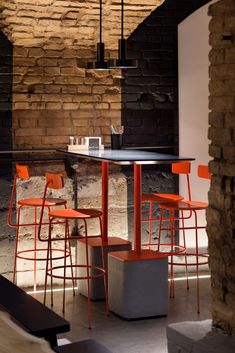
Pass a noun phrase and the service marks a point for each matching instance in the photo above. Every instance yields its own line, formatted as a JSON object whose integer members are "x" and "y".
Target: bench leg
{"x": 52, "y": 340}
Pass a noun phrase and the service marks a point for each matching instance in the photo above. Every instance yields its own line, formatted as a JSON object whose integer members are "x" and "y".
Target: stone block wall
{"x": 221, "y": 215}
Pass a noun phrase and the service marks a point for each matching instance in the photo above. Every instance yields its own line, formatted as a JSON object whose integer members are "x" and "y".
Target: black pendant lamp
{"x": 100, "y": 63}
{"x": 122, "y": 62}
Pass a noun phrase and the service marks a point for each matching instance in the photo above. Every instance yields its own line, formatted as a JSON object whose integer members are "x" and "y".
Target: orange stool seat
{"x": 184, "y": 206}
{"x": 159, "y": 198}
{"x": 37, "y": 202}
{"x": 70, "y": 213}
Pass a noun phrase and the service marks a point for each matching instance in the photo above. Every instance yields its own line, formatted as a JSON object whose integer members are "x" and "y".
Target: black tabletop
{"x": 127, "y": 157}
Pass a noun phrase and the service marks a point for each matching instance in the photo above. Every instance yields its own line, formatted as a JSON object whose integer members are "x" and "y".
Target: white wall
{"x": 193, "y": 48}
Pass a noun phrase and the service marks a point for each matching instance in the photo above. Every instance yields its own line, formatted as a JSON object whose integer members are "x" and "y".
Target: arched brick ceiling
{"x": 70, "y": 23}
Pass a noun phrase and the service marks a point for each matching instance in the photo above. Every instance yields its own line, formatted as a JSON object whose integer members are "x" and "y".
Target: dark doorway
{"x": 6, "y": 67}
{"x": 6, "y": 79}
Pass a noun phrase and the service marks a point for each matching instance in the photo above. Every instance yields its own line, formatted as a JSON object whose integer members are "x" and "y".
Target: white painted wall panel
{"x": 193, "y": 46}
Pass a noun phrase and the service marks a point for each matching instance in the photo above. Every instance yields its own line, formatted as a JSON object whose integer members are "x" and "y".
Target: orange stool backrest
{"x": 54, "y": 181}
{"x": 181, "y": 168}
{"x": 203, "y": 172}
{"x": 22, "y": 171}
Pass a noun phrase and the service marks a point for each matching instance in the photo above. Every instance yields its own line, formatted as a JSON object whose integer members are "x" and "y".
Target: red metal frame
{"x": 105, "y": 191}
{"x": 137, "y": 206}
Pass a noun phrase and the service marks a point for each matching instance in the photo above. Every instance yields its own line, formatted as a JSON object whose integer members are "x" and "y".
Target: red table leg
{"x": 137, "y": 206}
{"x": 105, "y": 189}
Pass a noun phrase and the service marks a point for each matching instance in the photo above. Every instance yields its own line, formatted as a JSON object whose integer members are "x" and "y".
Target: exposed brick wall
{"x": 221, "y": 216}
{"x": 53, "y": 96}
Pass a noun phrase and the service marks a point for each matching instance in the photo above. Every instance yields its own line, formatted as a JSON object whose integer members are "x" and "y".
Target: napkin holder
{"x": 87, "y": 143}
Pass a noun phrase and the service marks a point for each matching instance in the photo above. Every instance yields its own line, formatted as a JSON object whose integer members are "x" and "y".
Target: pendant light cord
{"x": 122, "y": 19}
{"x": 100, "y": 21}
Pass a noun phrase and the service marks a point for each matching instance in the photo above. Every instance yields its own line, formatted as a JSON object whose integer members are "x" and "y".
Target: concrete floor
{"x": 139, "y": 336}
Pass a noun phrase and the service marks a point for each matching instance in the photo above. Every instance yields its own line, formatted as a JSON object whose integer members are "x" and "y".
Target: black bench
{"x": 30, "y": 314}
{"x": 86, "y": 346}
{"x": 41, "y": 321}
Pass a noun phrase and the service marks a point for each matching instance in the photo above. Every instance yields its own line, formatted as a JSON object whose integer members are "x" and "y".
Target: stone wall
{"x": 221, "y": 216}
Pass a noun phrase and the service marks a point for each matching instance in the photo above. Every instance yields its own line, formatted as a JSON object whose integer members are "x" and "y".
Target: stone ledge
{"x": 197, "y": 337}
{"x": 182, "y": 336}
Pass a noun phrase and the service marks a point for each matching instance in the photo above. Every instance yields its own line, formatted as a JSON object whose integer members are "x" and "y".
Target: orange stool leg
{"x": 197, "y": 263}
{"x": 35, "y": 251}
{"x": 104, "y": 265}
{"x": 159, "y": 230}
{"x": 71, "y": 263}
{"x": 16, "y": 246}
{"x": 150, "y": 223}
{"x": 88, "y": 280}
{"x": 185, "y": 255}
{"x": 48, "y": 261}
{"x": 65, "y": 264}
{"x": 172, "y": 292}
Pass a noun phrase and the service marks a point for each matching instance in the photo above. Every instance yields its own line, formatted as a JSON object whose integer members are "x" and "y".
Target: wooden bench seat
{"x": 30, "y": 314}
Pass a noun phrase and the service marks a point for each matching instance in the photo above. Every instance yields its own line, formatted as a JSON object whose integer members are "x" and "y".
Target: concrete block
{"x": 198, "y": 337}
{"x": 95, "y": 259}
{"x": 138, "y": 285}
{"x": 181, "y": 336}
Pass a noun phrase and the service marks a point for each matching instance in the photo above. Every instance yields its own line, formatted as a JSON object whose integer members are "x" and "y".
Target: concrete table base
{"x": 138, "y": 284}
{"x": 95, "y": 259}
{"x": 198, "y": 337}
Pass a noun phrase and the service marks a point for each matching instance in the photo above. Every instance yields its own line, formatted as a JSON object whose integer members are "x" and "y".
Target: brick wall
{"x": 53, "y": 95}
{"x": 221, "y": 216}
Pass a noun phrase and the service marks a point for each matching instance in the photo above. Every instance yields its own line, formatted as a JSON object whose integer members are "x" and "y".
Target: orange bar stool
{"x": 33, "y": 254}
{"x": 192, "y": 208}
{"x": 176, "y": 168}
{"x": 67, "y": 271}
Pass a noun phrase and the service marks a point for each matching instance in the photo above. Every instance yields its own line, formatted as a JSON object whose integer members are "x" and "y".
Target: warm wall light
{"x": 122, "y": 62}
{"x": 100, "y": 63}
